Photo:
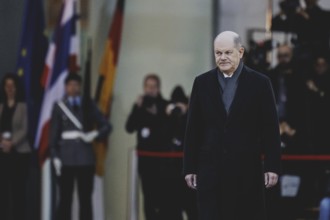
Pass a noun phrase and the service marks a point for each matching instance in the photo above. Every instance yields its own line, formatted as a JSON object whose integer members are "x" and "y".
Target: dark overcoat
{"x": 225, "y": 150}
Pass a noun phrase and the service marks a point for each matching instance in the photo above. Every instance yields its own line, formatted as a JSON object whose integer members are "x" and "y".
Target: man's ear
{"x": 241, "y": 52}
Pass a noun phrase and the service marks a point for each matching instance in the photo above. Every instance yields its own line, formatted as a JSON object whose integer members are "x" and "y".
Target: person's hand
{"x": 169, "y": 108}
{"x": 191, "y": 180}
{"x": 6, "y": 145}
{"x": 270, "y": 179}
{"x": 286, "y": 128}
{"x": 183, "y": 107}
{"x": 89, "y": 137}
{"x": 57, "y": 165}
{"x": 311, "y": 86}
{"x": 139, "y": 101}
{"x": 300, "y": 11}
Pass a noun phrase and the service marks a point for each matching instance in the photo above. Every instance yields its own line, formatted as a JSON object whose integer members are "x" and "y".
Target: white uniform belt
{"x": 70, "y": 135}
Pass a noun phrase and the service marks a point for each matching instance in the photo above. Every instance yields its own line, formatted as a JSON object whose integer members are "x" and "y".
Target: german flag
{"x": 106, "y": 80}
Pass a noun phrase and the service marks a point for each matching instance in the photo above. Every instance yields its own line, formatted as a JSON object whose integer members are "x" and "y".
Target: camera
{"x": 289, "y": 6}
{"x": 176, "y": 112}
{"x": 148, "y": 101}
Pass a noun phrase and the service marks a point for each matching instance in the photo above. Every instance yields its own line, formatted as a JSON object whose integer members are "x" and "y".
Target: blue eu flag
{"x": 31, "y": 60}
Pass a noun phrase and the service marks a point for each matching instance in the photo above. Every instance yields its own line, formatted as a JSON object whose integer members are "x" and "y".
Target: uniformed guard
{"x": 71, "y": 146}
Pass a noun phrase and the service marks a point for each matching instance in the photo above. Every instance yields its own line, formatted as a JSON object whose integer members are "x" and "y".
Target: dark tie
{"x": 75, "y": 105}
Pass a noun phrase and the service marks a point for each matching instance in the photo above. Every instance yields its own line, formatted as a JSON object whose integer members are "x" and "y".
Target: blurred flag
{"x": 98, "y": 192}
{"x": 107, "y": 77}
{"x": 30, "y": 63}
{"x": 29, "y": 67}
{"x": 60, "y": 60}
{"x": 86, "y": 99}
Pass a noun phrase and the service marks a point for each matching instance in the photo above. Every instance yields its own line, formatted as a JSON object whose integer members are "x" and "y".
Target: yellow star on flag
{"x": 20, "y": 72}
{"x": 24, "y": 52}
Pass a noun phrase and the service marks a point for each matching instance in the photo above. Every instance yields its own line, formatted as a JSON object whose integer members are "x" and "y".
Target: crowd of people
{"x": 301, "y": 84}
{"x": 75, "y": 123}
{"x": 303, "y": 102}
{"x": 300, "y": 78}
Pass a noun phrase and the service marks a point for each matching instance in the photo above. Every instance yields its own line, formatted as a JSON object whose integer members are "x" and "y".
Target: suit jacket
{"x": 19, "y": 128}
{"x": 225, "y": 149}
{"x": 74, "y": 152}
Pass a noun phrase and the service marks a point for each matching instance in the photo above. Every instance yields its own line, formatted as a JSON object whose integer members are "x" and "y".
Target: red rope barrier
{"x": 306, "y": 157}
{"x": 287, "y": 157}
{"x": 167, "y": 154}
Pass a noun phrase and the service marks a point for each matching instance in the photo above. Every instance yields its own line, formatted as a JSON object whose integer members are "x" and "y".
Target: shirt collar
{"x": 74, "y": 100}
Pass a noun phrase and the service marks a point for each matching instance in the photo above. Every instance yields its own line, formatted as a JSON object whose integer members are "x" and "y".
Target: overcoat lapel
{"x": 216, "y": 93}
{"x": 241, "y": 95}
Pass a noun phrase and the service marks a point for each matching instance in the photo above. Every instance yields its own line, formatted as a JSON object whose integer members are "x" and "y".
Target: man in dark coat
{"x": 148, "y": 120}
{"x": 232, "y": 122}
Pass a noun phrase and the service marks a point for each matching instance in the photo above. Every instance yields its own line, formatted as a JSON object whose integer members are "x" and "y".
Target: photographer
{"x": 312, "y": 27}
{"x": 179, "y": 198}
{"x": 309, "y": 23}
{"x": 283, "y": 20}
{"x": 148, "y": 119}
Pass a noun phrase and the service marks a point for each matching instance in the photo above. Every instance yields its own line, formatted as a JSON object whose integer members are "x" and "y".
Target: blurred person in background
{"x": 15, "y": 151}
{"x": 289, "y": 90}
{"x": 282, "y": 21}
{"x": 290, "y": 95}
{"x": 149, "y": 120}
{"x": 308, "y": 20}
{"x": 312, "y": 27}
{"x": 318, "y": 87}
{"x": 310, "y": 24}
{"x": 71, "y": 135}
{"x": 179, "y": 198}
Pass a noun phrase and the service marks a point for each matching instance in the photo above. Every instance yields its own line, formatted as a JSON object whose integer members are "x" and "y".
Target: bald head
{"x": 229, "y": 37}
{"x": 228, "y": 51}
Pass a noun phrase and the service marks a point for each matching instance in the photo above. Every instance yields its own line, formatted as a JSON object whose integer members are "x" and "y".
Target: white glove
{"x": 58, "y": 165}
{"x": 89, "y": 137}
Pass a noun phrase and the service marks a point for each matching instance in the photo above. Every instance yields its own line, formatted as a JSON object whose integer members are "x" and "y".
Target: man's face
{"x": 151, "y": 88}
{"x": 321, "y": 66}
{"x": 72, "y": 88}
{"x": 284, "y": 55}
{"x": 310, "y": 3}
{"x": 227, "y": 56}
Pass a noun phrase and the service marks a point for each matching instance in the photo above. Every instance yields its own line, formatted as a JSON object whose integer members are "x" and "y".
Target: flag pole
{"x": 269, "y": 16}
